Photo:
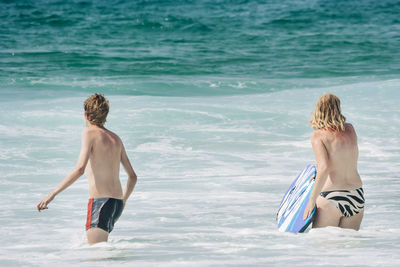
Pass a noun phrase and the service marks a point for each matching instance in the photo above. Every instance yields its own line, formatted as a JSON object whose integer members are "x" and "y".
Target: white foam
{"x": 212, "y": 172}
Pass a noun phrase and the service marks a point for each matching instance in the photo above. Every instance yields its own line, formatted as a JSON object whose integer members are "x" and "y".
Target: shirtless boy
{"x": 101, "y": 154}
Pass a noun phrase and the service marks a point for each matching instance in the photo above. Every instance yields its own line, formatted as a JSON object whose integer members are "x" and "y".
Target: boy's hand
{"x": 42, "y": 205}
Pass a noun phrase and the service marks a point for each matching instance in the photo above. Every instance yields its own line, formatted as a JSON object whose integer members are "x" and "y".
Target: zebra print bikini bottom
{"x": 349, "y": 202}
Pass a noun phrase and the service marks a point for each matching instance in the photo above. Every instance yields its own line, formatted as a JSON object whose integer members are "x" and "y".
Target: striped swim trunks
{"x": 103, "y": 213}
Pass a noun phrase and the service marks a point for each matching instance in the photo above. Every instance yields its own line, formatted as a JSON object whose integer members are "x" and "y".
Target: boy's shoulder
{"x": 88, "y": 131}
{"x": 92, "y": 132}
{"x": 114, "y": 135}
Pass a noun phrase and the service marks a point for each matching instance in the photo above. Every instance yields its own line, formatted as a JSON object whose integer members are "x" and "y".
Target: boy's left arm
{"x": 74, "y": 175}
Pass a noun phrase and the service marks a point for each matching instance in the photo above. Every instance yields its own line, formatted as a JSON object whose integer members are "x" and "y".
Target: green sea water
{"x": 195, "y": 47}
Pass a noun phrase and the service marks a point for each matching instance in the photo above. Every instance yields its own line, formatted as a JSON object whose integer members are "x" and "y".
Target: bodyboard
{"x": 294, "y": 202}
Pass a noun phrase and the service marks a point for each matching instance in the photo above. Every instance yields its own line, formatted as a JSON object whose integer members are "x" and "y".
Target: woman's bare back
{"x": 342, "y": 150}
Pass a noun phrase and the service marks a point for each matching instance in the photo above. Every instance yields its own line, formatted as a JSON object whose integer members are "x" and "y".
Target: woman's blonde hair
{"x": 327, "y": 114}
{"x": 96, "y": 108}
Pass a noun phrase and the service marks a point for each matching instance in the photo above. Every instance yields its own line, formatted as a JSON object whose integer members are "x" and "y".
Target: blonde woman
{"x": 337, "y": 193}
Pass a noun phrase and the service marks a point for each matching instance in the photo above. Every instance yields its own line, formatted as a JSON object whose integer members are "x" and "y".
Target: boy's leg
{"x": 96, "y": 235}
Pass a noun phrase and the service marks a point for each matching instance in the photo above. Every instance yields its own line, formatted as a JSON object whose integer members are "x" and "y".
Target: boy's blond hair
{"x": 96, "y": 108}
{"x": 327, "y": 114}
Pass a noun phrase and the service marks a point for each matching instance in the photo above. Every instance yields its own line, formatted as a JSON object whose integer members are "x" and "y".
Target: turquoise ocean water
{"x": 212, "y": 100}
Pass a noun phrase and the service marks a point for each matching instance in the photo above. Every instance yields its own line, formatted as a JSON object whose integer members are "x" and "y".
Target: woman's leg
{"x": 352, "y": 222}
{"x": 327, "y": 214}
{"x": 96, "y": 235}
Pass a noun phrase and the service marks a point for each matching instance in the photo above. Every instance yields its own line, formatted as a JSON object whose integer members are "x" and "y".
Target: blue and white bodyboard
{"x": 294, "y": 203}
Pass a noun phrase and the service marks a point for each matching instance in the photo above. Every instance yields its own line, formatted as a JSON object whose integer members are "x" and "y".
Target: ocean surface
{"x": 212, "y": 101}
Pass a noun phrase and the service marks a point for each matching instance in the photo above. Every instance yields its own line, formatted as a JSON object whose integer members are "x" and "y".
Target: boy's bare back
{"x": 104, "y": 162}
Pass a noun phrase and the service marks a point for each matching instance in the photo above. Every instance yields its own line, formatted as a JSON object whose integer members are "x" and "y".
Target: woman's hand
{"x": 310, "y": 207}
{"x": 42, "y": 205}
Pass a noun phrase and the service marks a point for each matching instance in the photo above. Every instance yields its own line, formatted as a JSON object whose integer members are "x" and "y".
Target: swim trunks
{"x": 103, "y": 213}
{"x": 349, "y": 202}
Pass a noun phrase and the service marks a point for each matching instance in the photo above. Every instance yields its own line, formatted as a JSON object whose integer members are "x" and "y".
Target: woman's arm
{"x": 78, "y": 171}
{"x": 322, "y": 158}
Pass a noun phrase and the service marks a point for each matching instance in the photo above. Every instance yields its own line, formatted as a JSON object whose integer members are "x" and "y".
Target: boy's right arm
{"x": 74, "y": 175}
{"x": 132, "y": 178}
